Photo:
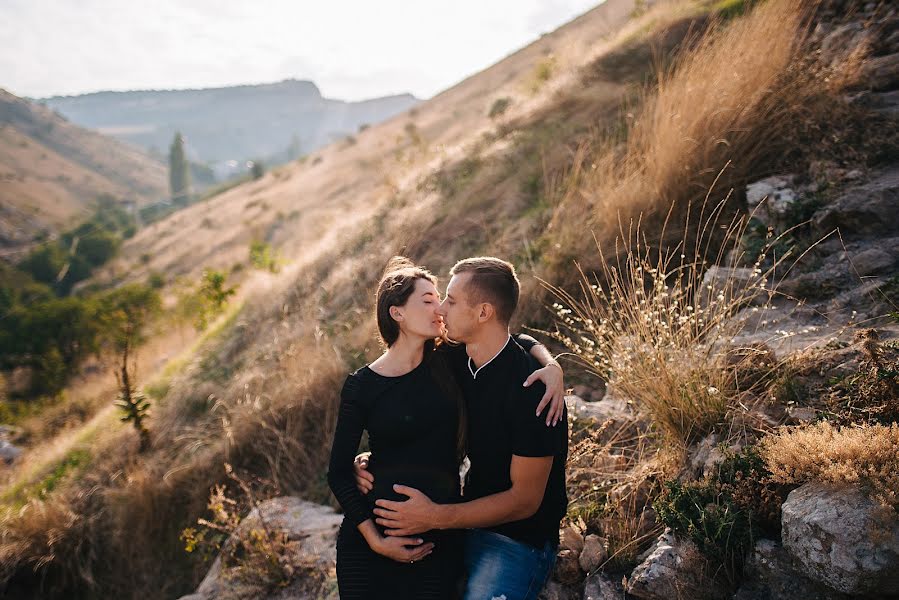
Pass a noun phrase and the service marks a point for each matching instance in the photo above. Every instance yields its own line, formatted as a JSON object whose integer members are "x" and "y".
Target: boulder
{"x": 312, "y": 536}
{"x": 675, "y": 568}
{"x": 769, "y": 574}
{"x": 841, "y": 538}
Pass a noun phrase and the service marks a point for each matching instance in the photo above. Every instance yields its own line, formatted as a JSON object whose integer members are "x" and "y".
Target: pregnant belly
{"x": 440, "y": 485}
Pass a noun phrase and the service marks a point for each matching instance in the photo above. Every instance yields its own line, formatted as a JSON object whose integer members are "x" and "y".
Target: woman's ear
{"x": 396, "y": 314}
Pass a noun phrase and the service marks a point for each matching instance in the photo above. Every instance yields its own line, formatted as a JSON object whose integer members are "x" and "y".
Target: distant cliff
{"x": 241, "y": 122}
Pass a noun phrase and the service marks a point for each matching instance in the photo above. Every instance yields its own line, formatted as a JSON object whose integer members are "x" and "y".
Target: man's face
{"x": 459, "y": 314}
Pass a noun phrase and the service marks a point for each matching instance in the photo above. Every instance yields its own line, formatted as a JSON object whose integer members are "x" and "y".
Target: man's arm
{"x": 419, "y": 514}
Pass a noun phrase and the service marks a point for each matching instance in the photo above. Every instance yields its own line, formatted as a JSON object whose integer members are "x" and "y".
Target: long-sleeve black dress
{"x": 412, "y": 429}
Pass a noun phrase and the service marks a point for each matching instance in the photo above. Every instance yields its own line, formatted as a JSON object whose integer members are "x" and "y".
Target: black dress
{"x": 412, "y": 427}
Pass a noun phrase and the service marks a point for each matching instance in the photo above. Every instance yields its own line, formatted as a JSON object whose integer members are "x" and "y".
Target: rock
{"x": 556, "y": 591}
{"x": 801, "y": 414}
{"x": 882, "y": 72}
{"x": 769, "y": 574}
{"x": 842, "y": 538}
{"x": 868, "y": 209}
{"x": 734, "y": 282}
{"x": 599, "y": 587}
{"x": 607, "y": 408}
{"x": 8, "y": 452}
{"x": 771, "y": 199}
{"x": 674, "y": 569}
{"x": 312, "y": 534}
{"x": 842, "y": 38}
{"x": 571, "y": 539}
{"x": 594, "y": 554}
{"x": 567, "y": 569}
{"x": 873, "y": 261}
{"x": 705, "y": 455}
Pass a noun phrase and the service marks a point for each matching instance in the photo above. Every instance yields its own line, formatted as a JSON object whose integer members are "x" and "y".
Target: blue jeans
{"x": 500, "y": 568}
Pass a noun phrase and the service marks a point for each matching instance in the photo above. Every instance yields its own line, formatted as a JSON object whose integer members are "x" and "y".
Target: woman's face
{"x": 418, "y": 317}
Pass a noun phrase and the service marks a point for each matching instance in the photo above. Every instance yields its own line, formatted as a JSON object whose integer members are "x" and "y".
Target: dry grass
{"x": 732, "y": 109}
{"x": 867, "y": 455}
{"x": 661, "y": 334}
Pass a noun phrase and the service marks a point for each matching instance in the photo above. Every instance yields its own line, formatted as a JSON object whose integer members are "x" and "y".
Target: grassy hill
{"x": 52, "y": 172}
{"x": 634, "y": 110}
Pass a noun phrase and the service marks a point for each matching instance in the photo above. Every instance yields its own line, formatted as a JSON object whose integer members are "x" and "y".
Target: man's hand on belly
{"x": 409, "y": 517}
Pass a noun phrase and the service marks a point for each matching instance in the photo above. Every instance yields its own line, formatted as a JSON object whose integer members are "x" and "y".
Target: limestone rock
{"x": 770, "y": 575}
{"x": 593, "y": 554}
{"x": 311, "y": 532}
{"x": 842, "y": 539}
{"x": 599, "y": 587}
{"x": 770, "y": 200}
{"x": 674, "y": 569}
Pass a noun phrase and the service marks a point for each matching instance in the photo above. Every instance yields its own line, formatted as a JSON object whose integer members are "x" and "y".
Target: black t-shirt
{"x": 412, "y": 429}
{"x": 502, "y": 423}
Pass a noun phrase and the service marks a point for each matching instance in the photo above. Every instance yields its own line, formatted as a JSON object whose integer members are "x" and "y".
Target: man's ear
{"x": 486, "y": 312}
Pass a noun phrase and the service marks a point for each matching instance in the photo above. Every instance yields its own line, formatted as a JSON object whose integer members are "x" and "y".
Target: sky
{"x": 352, "y": 49}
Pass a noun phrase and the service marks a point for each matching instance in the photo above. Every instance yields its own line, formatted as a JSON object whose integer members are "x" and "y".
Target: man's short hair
{"x": 492, "y": 280}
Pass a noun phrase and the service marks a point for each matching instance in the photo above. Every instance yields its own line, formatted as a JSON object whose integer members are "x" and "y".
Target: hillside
{"x": 231, "y": 123}
{"x": 52, "y": 171}
{"x": 633, "y": 112}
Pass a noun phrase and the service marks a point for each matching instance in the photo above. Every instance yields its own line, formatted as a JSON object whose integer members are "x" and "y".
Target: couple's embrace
{"x": 466, "y": 477}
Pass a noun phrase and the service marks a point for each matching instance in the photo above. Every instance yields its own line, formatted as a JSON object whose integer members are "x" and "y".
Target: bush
{"x": 262, "y": 256}
{"x": 660, "y": 336}
{"x": 499, "y": 107}
{"x": 866, "y": 455}
{"x": 724, "y": 514}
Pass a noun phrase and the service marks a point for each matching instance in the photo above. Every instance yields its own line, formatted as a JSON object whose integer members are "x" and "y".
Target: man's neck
{"x": 488, "y": 344}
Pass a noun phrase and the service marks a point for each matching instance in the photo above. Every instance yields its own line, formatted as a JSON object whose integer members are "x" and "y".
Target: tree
{"x": 126, "y": 312}
{"x": 257, "y": 170}
{"x": 212, "y": 297}
{"x": 179, "y": 170}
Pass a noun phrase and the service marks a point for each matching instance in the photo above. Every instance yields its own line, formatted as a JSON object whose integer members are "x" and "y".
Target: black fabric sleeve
{"x": 525, "y": 341}
{"x": 347, "y": 435}
{"x": 529, "y": 433}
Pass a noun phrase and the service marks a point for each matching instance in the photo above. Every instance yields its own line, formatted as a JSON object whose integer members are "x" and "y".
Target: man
{"x": 515, "y": 489}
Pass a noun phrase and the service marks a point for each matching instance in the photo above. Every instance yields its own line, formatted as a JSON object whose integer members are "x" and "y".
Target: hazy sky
{"x": 353, "y": 49}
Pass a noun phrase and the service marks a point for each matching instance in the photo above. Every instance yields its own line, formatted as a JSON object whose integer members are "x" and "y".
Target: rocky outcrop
{"x": 770, "y": 574}
{"x": 843, "y": 539}
{"x": 864, "y": 210}
{"x": 674, "y": 569}
{"x": 311, "y": 555}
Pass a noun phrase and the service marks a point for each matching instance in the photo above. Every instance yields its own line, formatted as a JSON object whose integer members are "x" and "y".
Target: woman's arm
{"x": 347, "y": 435}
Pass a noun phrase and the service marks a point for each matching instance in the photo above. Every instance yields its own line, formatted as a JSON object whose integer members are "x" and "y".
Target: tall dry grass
{"x": 741, "y": 103}
{"x": 658, "y": 328}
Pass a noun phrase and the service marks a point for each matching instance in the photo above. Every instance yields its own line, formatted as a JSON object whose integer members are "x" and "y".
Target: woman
{"x": 412, "y": 408}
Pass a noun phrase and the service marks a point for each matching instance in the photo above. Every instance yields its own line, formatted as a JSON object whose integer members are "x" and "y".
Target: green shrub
{"x": 499, "y": 107}
{"x": 725, "y": 513}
